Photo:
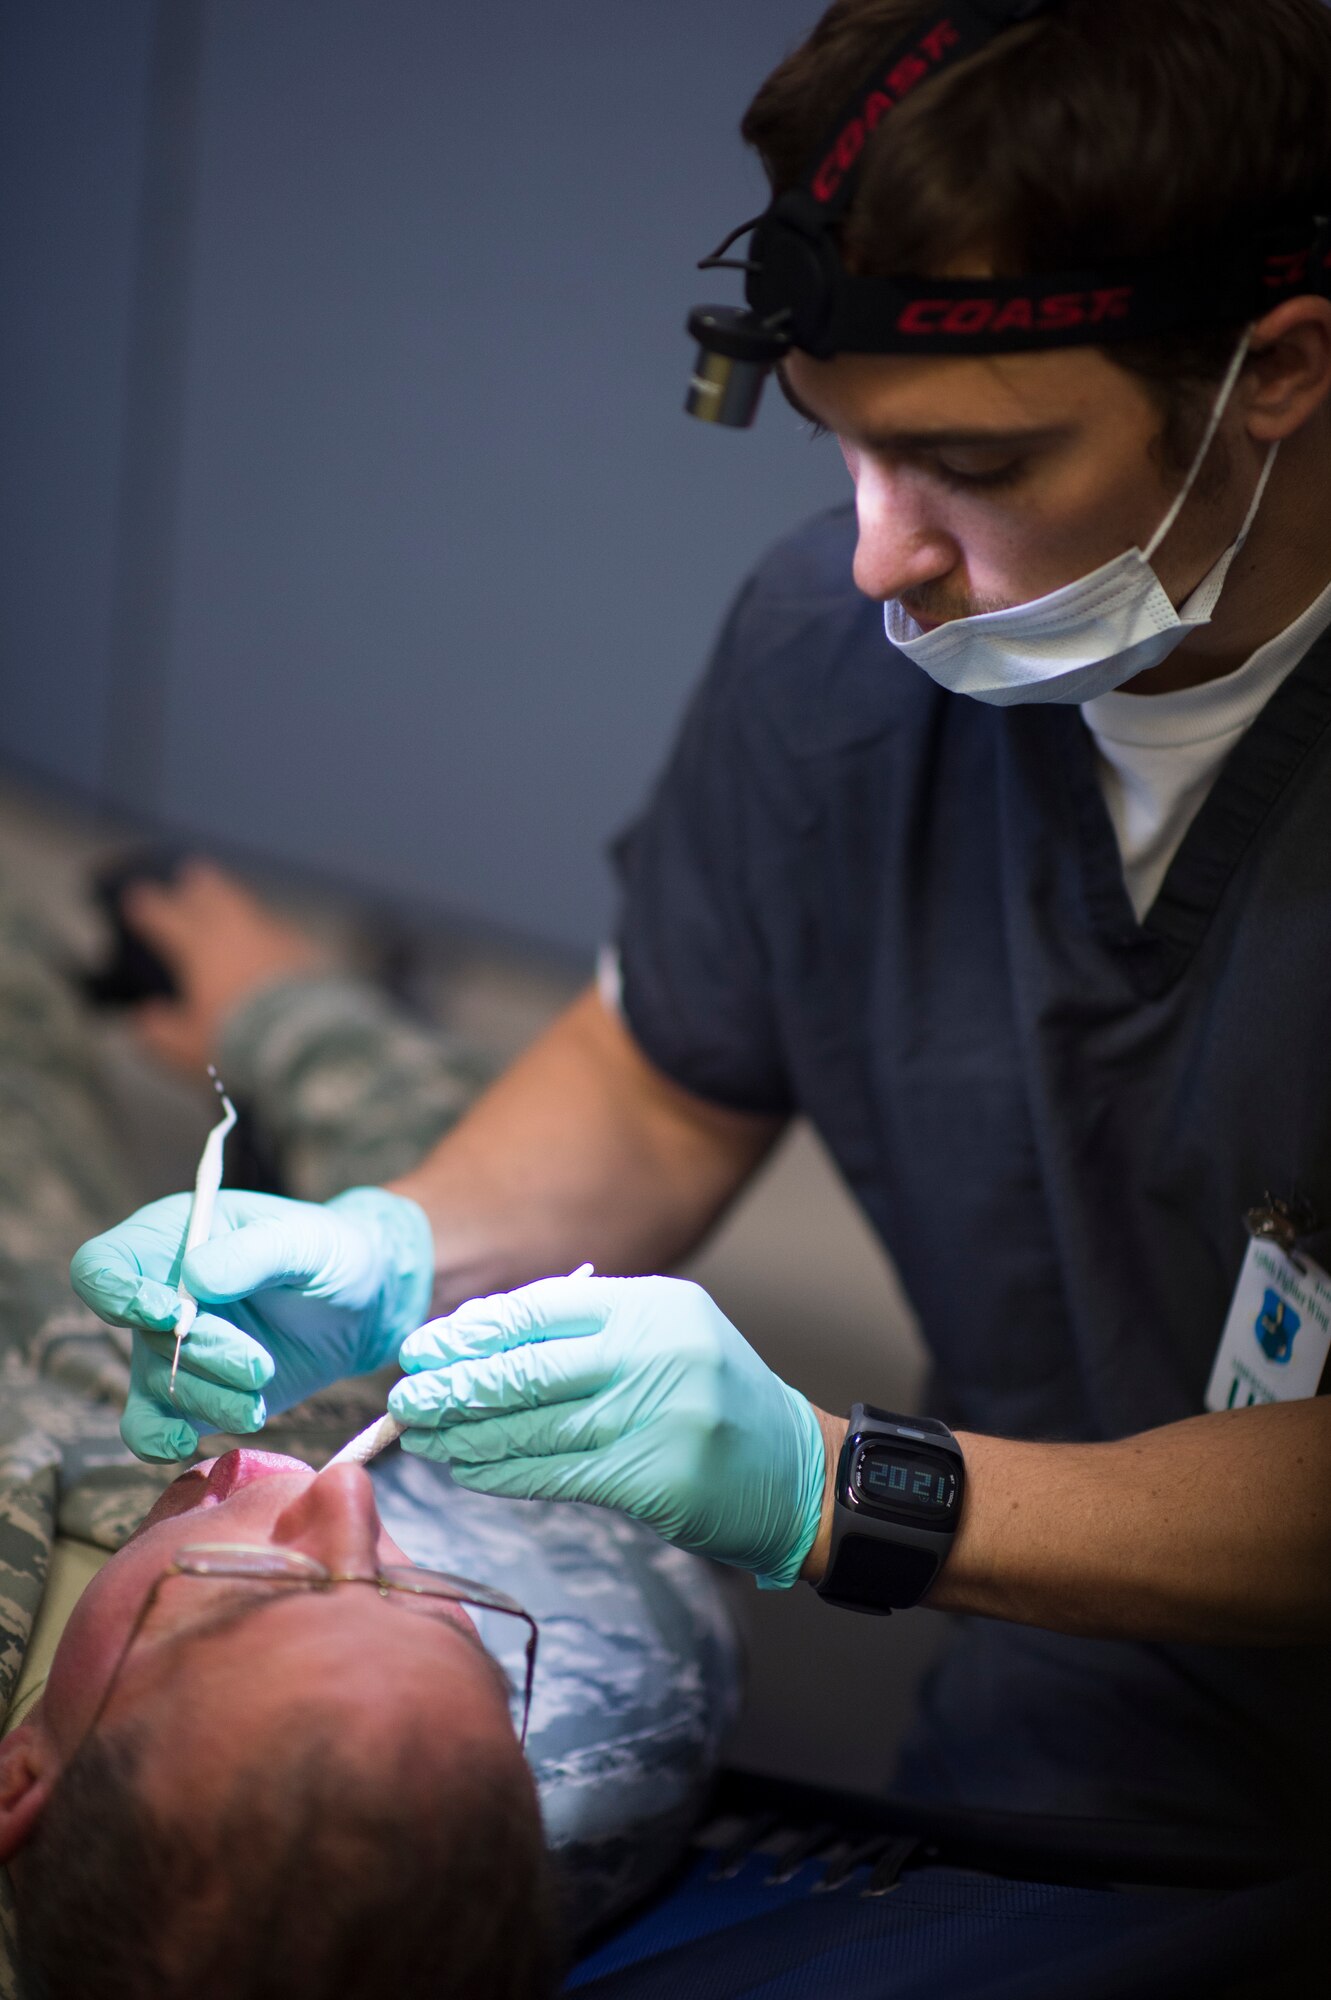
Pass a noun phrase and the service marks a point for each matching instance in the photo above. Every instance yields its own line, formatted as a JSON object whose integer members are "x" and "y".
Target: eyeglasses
{"x": 289, "y": 1569}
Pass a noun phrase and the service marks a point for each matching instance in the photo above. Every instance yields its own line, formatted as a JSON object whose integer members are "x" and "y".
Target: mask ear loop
{"x": 1233, "y": 372}
{"x": 1272, "y": 451}
{"x": 1202, "y": 603}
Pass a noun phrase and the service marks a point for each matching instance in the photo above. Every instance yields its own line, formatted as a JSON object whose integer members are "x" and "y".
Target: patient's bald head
{"x": 302, "y": 1793}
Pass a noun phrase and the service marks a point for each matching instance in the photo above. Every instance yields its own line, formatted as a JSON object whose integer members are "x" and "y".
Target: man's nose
{"x": 900, "y": 548}
{"x": 335, "y": 1520}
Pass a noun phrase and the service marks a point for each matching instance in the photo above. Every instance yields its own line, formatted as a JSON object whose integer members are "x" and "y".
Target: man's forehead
{"x": 900, "y": 403}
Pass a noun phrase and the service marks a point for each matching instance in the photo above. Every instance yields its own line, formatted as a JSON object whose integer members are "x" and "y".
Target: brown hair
{"x": 1094, "y": 132}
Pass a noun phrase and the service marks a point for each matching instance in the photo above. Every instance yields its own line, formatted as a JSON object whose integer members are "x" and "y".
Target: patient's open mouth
{"x": 237, "y": 1468}
{"x": 213, "y": 1480}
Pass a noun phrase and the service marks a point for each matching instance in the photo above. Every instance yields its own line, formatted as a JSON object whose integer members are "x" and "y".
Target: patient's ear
{"x": 28, "y": 1770}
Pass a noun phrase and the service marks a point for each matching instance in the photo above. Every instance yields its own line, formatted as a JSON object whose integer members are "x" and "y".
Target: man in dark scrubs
{"x": 1026, "y": 905}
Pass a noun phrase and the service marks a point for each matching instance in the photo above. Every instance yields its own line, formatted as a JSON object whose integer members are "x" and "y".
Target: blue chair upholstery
{"x": 796, "y": 1894}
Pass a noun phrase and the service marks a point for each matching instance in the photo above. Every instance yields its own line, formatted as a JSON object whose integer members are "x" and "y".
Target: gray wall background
{"x": 350, "y": 514}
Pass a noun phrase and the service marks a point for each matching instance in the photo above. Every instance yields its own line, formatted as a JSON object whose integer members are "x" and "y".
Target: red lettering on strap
{"x": 846, "y": 149}
{"x": 939, "y": 40}
{"x": 827, "y": 180}
{"x": 968, "y": 316}
{"x": 1064, "y": 309}
{"x": 922, "y": 316}
{"x": 904, "y": 76}
{"x": 1057, "y": 313}
{"x": 1016, "y": 315}
{"x": 1113, "y": 304}
{"x": 1287, "y": 268}
{"x": 850, "y": 144}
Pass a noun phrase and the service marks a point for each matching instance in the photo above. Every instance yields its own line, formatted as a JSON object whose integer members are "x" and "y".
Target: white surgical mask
{"x": 1091, "y": 636}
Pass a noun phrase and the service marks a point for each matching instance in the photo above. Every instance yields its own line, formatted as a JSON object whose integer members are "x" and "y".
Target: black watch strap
{"x": 865, "y": 1574}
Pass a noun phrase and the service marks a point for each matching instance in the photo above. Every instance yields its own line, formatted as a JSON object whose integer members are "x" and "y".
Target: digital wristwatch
{"x": 899, "y": 1487}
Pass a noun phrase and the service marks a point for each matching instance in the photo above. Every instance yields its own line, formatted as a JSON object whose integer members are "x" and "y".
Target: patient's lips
{"x": 213, "y": 1480}
{"x": 234, "y": 1469}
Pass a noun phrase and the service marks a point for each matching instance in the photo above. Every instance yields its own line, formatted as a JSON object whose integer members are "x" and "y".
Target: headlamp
{"x": 735, "y": 351}
{"x": 800, "y": 294}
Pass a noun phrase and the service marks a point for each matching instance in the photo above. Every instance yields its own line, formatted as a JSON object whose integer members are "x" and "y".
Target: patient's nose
{"x": 335, "y": 1520}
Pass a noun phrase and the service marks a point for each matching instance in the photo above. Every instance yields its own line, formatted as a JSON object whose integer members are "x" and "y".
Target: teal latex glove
{"x": 635, "y": 1393}
{"x": 311, "y": 1292}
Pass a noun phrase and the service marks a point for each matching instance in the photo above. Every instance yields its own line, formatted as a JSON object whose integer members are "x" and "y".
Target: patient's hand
{"x": 222, "y": 946}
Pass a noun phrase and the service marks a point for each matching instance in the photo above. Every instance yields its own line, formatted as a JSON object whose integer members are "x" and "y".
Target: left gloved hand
{"x": 634, "y": 1393}
{"x": 293, "y": 1294}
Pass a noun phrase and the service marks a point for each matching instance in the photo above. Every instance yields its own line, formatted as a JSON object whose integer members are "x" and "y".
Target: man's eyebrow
{"x": 957, "y": 439}
{"x": 944, "y": 437}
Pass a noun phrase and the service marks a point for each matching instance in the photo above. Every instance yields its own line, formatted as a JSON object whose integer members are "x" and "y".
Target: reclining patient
{"x": 273, "y": 1781}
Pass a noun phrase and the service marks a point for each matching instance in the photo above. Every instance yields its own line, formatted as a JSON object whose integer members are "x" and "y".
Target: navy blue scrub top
{"x": 902, "y": 914}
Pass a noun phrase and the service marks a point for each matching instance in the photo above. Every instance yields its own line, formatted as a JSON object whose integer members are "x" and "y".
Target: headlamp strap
{"x": 1293, "y": 268}
{"x": 1068, "y": 309}
{"x": 960, "y": 30}
{"x": 869, "y": 315}
{"x": 800, "y": 293}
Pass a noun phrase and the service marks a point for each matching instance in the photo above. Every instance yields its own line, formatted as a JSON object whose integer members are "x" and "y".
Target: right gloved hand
{"x": 311, "y": 1292}
{"x": 635, "y": 1393}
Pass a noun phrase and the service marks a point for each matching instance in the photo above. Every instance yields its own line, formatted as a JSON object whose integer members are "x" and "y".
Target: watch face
{"x": 905, "y": 1483}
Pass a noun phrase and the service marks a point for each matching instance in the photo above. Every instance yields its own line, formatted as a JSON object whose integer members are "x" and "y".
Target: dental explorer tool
{"x": 207, "y": 1181}
{"x": 386, "y": 1430}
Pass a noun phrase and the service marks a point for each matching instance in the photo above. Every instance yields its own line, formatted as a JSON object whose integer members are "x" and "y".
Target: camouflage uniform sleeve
{"x": 63, "y": 1170}
{"x": 345, "y": 1088}
{"x": 27, "y": 1530}
{"x": 9, "y": 1986}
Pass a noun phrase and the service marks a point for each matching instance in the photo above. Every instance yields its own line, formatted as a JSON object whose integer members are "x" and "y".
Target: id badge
{"x": 1278, "y": 1332}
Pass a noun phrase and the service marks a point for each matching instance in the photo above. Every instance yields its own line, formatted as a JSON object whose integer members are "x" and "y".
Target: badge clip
{"x": 1282, "y": 1223}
